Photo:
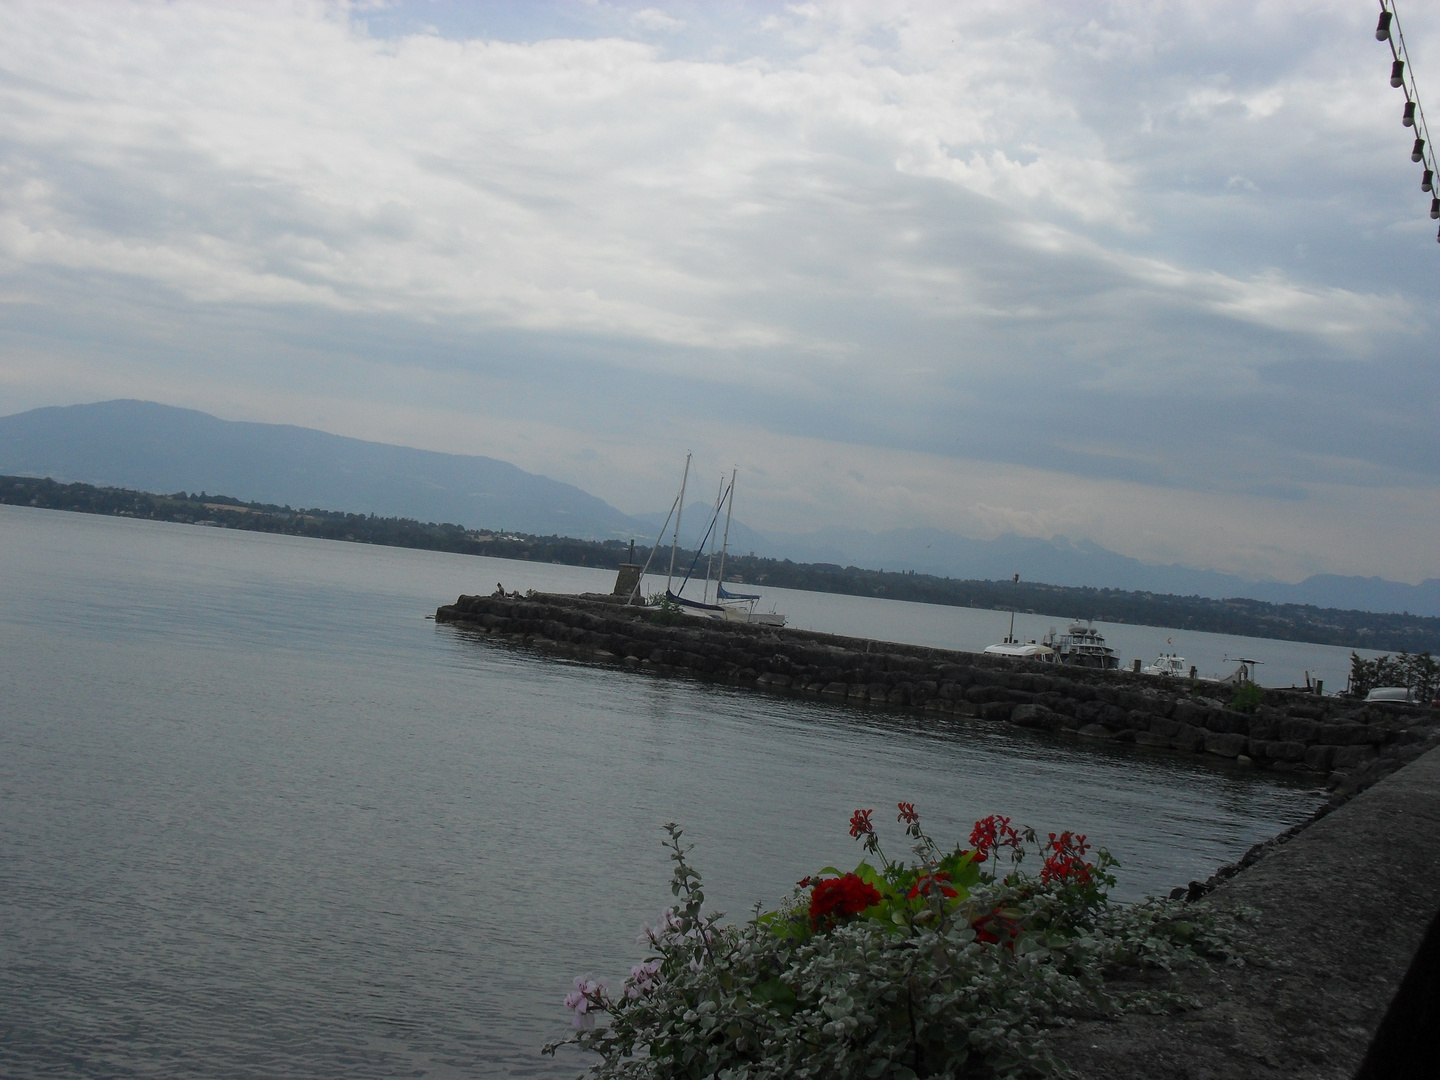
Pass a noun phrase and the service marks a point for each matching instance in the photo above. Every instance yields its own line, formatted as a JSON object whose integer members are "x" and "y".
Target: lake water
{"x": 259, "y": 818}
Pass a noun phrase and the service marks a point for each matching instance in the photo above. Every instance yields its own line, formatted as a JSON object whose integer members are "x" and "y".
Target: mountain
{"x": 151, "y": 447}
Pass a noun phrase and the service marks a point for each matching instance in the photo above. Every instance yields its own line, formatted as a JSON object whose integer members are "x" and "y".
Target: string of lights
{"x": 1402, "y": 77}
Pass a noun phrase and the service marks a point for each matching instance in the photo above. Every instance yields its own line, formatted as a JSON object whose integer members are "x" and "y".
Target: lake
{"x": 260, "y": 818}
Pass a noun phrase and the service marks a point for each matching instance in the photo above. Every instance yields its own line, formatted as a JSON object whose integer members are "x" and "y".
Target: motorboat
{"x": 1168, "y": 665}
{"x": 1083, "y": 646}
{"x": 1022, "y": 650}
{"x": 1015, "y": 649}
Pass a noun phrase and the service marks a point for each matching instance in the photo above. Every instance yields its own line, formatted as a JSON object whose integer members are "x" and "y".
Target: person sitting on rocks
{"x": 499, "y": 590}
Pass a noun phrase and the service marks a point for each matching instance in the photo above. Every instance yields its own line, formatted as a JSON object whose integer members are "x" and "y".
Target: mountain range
{"x": 160, "y": 448}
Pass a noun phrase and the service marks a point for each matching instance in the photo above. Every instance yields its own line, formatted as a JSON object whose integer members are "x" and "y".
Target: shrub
{"x": 935, "y": 967}
{"x": 1247, "y": 697}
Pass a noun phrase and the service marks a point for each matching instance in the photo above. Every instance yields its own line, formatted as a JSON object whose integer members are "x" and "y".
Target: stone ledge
{"x": 1339, "y": 911}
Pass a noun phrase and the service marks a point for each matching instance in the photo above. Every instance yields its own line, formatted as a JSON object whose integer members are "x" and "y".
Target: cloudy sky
{"x": 1156, "y": 275}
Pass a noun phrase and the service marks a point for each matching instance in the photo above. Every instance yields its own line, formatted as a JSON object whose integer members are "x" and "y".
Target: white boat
{"x": 1082, "y": 646}
{"x": 1021, "y": 650}
{"x": 1168, "y": 665}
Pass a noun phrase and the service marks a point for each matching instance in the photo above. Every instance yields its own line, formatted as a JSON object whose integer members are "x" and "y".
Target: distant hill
{"x": 1058, "y": 561}
{"x": 151, "y": 447}
{"x": 1081, "y": 564}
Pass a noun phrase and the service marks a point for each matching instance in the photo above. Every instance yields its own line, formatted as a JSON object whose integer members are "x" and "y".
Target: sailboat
{"x": 727, "y": 605}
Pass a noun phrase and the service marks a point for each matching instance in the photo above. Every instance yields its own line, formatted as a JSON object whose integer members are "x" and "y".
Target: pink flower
{"x": 588, "y": 996}
{"x": 643, "y": 978}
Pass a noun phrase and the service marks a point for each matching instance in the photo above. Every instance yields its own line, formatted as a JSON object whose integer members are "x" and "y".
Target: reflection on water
{"x": 259, "y": 818}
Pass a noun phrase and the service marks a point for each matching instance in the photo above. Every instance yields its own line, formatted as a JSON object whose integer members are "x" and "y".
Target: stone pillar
{"x": 627, "y": 578}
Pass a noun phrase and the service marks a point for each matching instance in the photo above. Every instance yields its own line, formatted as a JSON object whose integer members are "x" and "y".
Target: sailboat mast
{"x": 710, "y": 558}
{"x": 675, "y": 537}
{"x": 729, "y": 507}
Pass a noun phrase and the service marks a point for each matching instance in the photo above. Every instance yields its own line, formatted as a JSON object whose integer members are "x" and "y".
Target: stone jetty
{"x": 1350, "y": 744}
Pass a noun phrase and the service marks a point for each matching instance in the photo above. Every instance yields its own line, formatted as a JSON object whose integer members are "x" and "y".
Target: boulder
{"x": 1351, "y": 757}
{"x": 1285, "y": 750}
{"x": 1192, "y": 713}
{"x": 1226, "y": 743}
{"x": 1228, "y": 721}
{"x": 1188, "y": 738}
{"x": 1034, "y": 716}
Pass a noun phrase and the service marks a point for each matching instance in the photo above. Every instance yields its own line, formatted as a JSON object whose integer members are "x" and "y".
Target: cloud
{"x": 1168, "y": 246}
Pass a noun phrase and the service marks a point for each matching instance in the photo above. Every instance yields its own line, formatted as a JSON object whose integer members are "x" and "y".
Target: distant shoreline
{"x": 1238, "y": 617}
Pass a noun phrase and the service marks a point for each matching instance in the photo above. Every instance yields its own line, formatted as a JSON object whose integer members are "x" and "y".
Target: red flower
{"x": 992, "y": 833}
{"x": 860, "y": 824}
{"x": 804, "y": 882}
{"x": 923, "y": 885}
{"x": 1065, "y": 870}
{"x": 995, "y": 928}
{"x": 1066, "y": 864}
{"x": 908, "y": 814}
{"x": 836, "y": 898}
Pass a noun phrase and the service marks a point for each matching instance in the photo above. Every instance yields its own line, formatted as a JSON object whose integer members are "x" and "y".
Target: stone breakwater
{"x": 1349, "y": 743}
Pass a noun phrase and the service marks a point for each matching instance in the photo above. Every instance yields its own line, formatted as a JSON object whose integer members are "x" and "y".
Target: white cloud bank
{"x": 953, "y": 237}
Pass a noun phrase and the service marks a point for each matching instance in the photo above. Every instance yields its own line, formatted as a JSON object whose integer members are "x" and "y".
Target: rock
{"x": 1351, "y": 757}
{"x": 1191, "y": 713}
{"x": 1030, "y": 716}
{"x": 1346, "y": 734}
{"x": 834, "y": 690}
{"x": 1228, "y": 721}
{"x": 1295, "y": 730}
{"x": 1188, "y": 738}
{"x": 1226, "y": 743}
{"x": 996, "y": 710}
{"x": 1320, "y": 758}
{"x": 1285, "y": 751}
{"x": 1096, "y": 731}
{"x": 1149, "y": 738}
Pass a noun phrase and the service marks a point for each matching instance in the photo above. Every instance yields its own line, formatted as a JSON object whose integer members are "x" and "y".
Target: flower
{"x": 589, "y": 994}
{"x": 995, "y": 928}
{"x": 643, "y": 978}
{"x": 804, "y": 882}
{"x": 908, "y": 814}
{"x": 924, "y": 883}
{"x": 991, "y": 834}
{"x": 836, "y": 898}
{"x": 860, "y": 824}
{"x": 1066, "y": 863}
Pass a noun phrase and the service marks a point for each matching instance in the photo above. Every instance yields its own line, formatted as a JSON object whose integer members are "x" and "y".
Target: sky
{"x": 1155, "y": 275}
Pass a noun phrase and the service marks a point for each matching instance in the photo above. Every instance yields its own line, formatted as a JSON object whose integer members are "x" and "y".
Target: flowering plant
{"x": 949, "y": 964}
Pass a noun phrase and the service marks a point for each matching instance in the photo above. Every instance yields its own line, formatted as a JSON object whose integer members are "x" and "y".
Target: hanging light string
{"x": 1402, "y": 76}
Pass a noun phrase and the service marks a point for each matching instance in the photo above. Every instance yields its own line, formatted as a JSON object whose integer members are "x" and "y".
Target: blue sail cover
{"x": 692, "y": 603}
{"x": 725, "y": 594}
